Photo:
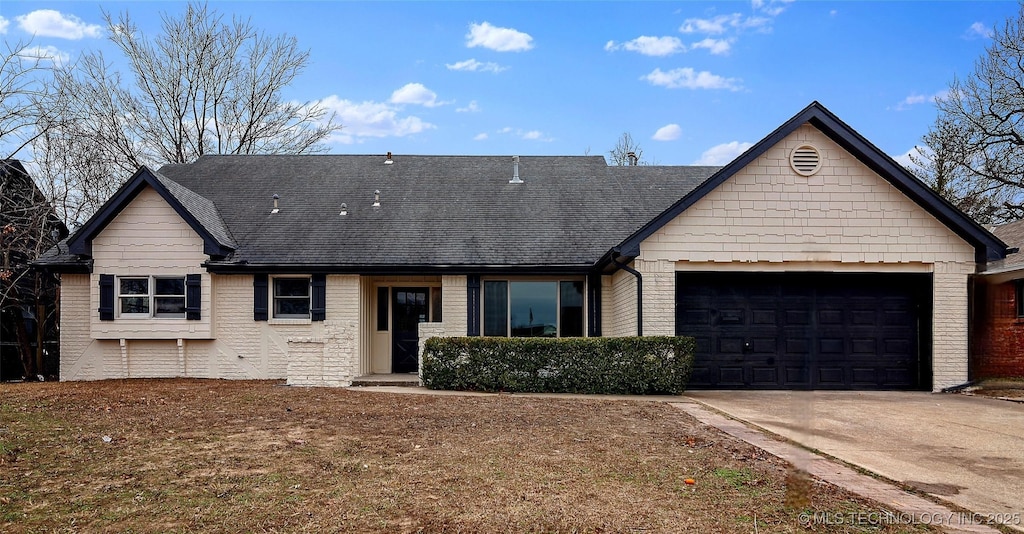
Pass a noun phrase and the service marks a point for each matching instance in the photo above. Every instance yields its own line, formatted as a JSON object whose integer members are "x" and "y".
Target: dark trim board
{"x": 807, "y": 330}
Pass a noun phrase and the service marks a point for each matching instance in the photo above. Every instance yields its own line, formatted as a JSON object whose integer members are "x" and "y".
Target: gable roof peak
{"x": 197, "y": 211}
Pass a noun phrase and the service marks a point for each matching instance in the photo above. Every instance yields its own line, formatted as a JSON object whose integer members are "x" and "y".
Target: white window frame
{"x": 290, "y": 318}
{"x": 150, "y": 296}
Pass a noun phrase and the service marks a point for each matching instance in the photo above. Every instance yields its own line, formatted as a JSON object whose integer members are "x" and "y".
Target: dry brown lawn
{"x": 194, "y": 455}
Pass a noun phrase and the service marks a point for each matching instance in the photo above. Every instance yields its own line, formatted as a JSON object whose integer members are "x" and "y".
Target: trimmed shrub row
{"x": 614, "y": 365}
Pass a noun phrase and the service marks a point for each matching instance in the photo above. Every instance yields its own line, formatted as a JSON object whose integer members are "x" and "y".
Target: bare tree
{"x": 937, "y": 164}
{"x": 203, "y": 85}
{"x": 978, "y": 137}
{"x": 626, "y": 152}
{"x": 28, "y": 99}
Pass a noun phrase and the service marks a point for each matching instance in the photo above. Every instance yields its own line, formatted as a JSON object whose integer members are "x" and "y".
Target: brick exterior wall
{"x": 997, "y": 348}
{"x": 618, "y": 304}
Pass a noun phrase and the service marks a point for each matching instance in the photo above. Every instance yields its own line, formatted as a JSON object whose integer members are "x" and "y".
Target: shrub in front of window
{"x": 621, "y": 365}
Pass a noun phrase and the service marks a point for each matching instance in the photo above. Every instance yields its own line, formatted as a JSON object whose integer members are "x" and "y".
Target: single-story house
{"x": 812, "y": 260}
{"x": 997, "y": 344}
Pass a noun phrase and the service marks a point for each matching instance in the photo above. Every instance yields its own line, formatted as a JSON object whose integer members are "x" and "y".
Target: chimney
{"x": 515, "y": 171}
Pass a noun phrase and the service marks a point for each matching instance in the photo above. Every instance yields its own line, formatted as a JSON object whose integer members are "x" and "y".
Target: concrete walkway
{"x": 968, "y": 451}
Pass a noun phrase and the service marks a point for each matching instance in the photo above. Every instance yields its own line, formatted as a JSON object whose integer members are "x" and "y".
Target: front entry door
{"x": 410, "y": 307}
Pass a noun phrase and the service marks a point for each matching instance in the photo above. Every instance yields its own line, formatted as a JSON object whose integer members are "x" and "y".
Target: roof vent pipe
{"x": 515, "y": 171}
{"x": 344, "y": 209}
{"x": 389, "y": 161}
{"x": 276, "y": 209}
{"x": 631, "y": 156}
{"x": 376, "y": 199}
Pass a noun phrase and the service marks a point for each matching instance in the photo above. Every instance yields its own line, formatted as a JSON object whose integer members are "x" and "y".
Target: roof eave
{"x": 394, "y": 269}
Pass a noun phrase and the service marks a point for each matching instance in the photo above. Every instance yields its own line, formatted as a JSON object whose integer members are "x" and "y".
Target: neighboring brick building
{"x": 997, "y": 344}
{"x": 813, "y": 260}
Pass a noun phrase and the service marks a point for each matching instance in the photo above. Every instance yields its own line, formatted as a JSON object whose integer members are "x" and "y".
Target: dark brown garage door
{"x": 807, "y": 330}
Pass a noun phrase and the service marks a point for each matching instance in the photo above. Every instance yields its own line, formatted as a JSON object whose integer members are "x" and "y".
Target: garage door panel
{"x": 807, "y": 330}
{"x": 765, "y": 376}
{"x": 730, "y": 376}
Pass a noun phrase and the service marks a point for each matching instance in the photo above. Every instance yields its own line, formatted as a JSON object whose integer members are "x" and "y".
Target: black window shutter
{"x": 473, "y": 305}
{"x": 106, "y": 297}
{"x": 318, "y": 306}
{"x": 260, "y": 295}
{"x": 193, "y": 296}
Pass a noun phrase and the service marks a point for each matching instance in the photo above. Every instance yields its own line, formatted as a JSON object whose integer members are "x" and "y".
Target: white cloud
{"x": 52, "y": 23}
{"x": 472, "y": 65}
{"x": 498, "y": 39}
{"x": 723, "y": 23}
{"x": 723, "y": 153}
{"x": 371, "y": 119}
{"x": 669, "y": 132}
{"x": 4, "y": 23}
{"x": 916, "y": 99}
{"x": 480, "y": 137}
{"x": 472, "y": 107}
{"x": 44, "y": 53}
{"x": 715, "y": 46}
{"x": 772, "y": 8}
{"x": 649, "y": 46}
{"x": 415, "y": 93}
{"x": 712, "y": 26}
{"x": 687, "y": 78}
{"x": 530, "y": 135}
{"x": 978, "y": 30}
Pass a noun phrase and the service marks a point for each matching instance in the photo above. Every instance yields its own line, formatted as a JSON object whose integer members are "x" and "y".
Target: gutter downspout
{"x": 639, "y": 291}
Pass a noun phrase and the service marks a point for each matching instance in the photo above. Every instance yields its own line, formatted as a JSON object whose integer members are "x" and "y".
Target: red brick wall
{"x": 997, "y": 344}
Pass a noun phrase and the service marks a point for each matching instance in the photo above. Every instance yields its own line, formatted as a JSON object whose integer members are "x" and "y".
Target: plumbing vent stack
{"x": 515, "y": 171}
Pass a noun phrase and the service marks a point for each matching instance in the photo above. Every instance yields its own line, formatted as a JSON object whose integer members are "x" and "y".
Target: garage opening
{"x": 807, "y": 330}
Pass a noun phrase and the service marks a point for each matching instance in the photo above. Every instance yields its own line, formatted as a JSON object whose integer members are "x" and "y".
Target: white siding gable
{"x": 148, "y": 238}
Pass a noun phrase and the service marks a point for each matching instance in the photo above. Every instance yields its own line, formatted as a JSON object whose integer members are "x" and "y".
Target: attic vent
{"x": 805, "y": 160}
{"x": 389, "y": 161}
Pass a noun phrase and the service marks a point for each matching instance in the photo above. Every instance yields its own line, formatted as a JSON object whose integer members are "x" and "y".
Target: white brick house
{"x": 811, "y": 261}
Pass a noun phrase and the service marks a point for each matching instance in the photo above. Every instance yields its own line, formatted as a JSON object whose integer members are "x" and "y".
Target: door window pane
{"x": 534, "y": 309}
{"x": 571, "y": 309}
{"x": 435, "y": 305}
{"x": 382, "y": 309}
{"x": 495, "y": 308}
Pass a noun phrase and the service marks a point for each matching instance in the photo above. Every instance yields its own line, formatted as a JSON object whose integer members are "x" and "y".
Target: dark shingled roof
{"x": 440, "y": 211}
{"x": 1013, "y": 235}
{"x": 203, "y": 209}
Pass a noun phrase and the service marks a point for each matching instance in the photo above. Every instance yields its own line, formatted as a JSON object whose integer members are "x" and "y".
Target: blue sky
{"x": 692, "y": 82}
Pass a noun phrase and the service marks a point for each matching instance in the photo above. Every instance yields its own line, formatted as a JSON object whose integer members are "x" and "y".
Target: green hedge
{"x": 615, "y": 365}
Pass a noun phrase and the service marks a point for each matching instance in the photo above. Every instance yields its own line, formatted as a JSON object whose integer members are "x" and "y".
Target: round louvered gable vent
{"x": 805, "y": 160}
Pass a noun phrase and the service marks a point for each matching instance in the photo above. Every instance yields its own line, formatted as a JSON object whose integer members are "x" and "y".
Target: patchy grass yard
{"x": 192, "y": 455}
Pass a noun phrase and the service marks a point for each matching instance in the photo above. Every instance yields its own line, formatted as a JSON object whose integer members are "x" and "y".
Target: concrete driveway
{"x": 965, "y": 450}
